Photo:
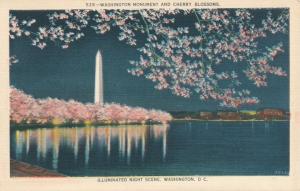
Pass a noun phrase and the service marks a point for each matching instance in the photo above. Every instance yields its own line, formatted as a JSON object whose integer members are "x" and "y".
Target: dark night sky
{"x": 69, "y": 74}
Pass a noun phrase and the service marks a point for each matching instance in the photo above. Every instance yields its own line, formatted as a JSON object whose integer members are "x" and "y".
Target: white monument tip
{"x": 98, "y": 52}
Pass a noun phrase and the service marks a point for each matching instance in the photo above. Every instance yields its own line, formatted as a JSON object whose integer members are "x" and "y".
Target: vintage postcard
{"x": 144, "y": 95}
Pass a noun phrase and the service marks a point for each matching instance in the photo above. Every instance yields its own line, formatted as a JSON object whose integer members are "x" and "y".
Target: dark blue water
{"x": 181, "y": 148}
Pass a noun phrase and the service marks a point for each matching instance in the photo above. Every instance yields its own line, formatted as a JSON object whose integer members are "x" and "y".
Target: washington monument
{"x": 98, "y": 79}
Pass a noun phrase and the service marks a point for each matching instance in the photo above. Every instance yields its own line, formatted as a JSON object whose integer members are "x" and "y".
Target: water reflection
{"x": 184, "y": 148}
{"x": 118, "y": 142}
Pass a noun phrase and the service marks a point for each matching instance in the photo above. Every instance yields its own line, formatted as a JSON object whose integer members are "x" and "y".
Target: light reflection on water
{"x": 181, "y": 148}
{"x": 124, "y": 139}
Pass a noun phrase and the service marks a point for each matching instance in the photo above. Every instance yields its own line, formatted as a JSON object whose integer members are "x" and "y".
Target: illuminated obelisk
{"x": 98, "y": 79}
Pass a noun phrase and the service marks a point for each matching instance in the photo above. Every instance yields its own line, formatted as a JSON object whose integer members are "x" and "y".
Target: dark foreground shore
{"x": 21, "y": 169}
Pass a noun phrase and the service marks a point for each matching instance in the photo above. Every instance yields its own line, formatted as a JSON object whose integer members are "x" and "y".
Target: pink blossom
{"x": 26, "y": 109}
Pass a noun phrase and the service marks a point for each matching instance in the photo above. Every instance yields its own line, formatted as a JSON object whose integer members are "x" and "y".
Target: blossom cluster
{"x": 26, "y": 109}
{"x": 183, "y": 58}
{"x": 13, "y": 59}
{"x": 187, "y": 62}
{"x": 18, "y": 28}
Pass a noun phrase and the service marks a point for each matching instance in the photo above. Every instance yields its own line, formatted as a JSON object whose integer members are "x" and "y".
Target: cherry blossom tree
{"x": 26, "y": 109}
{"x": 23, "y": 107}
{"x": 185, "y": 58}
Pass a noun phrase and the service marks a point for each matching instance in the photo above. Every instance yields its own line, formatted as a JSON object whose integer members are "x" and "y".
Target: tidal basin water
{"x": 180, "y": 148}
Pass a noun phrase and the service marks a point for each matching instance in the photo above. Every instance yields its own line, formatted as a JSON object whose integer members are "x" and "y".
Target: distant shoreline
{"x": 227, "y": 120}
